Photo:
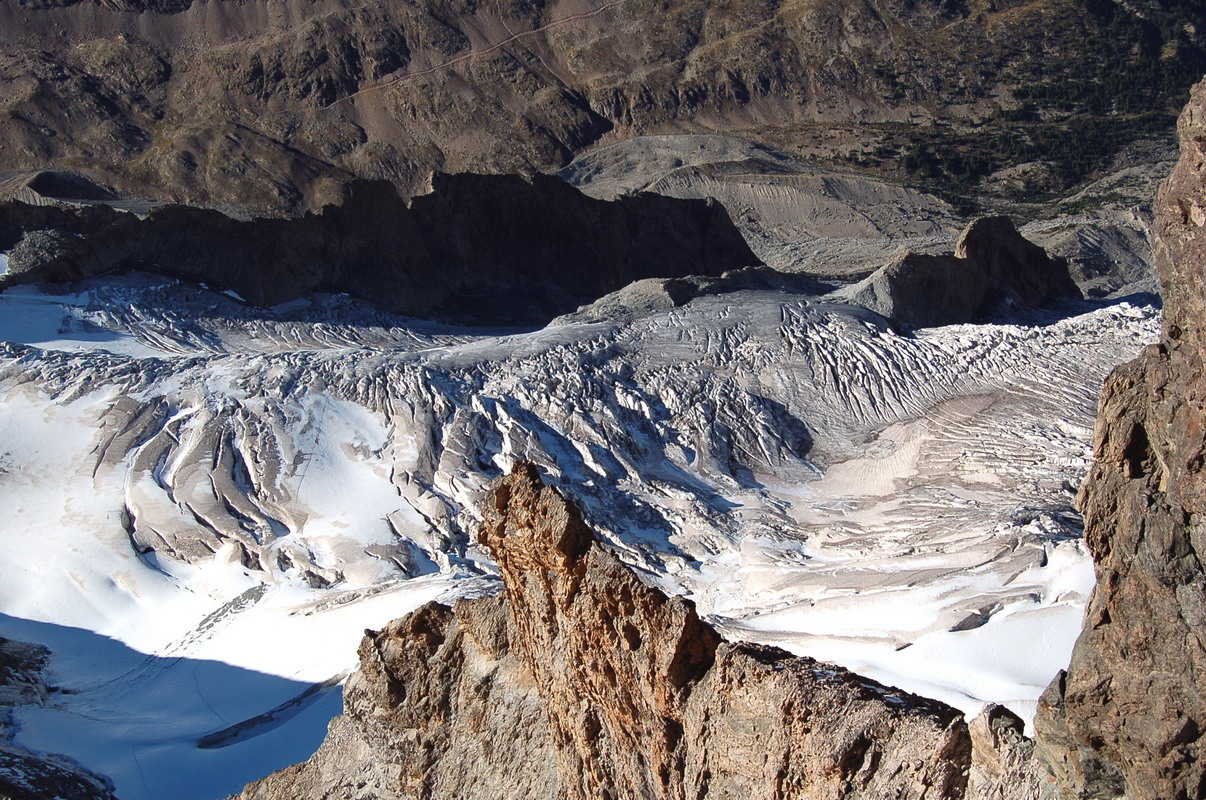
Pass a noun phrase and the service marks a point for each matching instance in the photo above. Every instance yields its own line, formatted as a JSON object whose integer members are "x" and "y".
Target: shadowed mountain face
{"x": 274, "y": 107}
{"x": 479, "y": 248}
{"x": 25, "y": 775}
{"x": 154, "y": 724}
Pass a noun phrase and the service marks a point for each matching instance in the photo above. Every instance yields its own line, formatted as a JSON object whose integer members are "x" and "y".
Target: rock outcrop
{"x": 992, "y": 266}
{"x": 477, "y": 248}
{"x": 1003, "y": 765}
{"x": 580, "y": 682}
{"x": 25, "y": 775}
{"x": 1127, "y": 719}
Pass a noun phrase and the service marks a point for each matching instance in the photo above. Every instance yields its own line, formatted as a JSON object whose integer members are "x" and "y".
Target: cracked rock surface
{"x": 598, "y": 686}
{"x": 1127, "y": 719}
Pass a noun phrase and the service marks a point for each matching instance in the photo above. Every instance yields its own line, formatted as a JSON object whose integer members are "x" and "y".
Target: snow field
{"x": 207, "y": 509}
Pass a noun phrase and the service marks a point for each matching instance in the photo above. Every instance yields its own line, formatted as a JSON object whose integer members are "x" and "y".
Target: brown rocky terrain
{"x": 1127, "y": 719}
{"x": 273, "y": 107}
{"x": 582, "y": 682}
{"x": 477, "y": 248}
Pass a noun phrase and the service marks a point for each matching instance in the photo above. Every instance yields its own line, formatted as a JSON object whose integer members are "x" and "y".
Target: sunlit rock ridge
{"x": 582, "y": 682}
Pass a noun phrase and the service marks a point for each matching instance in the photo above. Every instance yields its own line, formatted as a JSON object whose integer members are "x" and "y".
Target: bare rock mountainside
{"x": 581, "y": 682}
{"x": 1127, "y": 719}
{"x": 482, "y": 248}
{"x": 275, "y": 106}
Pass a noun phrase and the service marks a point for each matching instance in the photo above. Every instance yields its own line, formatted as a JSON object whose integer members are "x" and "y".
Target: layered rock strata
{"x": 477, "y": 248}
{"x": 1127, "y": 719}
{"x": 581, "y": 682}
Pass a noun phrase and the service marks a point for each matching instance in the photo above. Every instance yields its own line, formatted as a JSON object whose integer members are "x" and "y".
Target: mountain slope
{"x": 275, "y": 108}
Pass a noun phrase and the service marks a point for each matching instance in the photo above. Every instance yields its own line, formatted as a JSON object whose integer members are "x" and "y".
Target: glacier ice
{"x": 199, "y": 485}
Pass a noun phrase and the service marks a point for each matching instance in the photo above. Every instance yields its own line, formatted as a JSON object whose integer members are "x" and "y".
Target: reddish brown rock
{"x": 582, "y": 683}
{"x": 1127, "y": 718}
{"x": 1003, "y": 764}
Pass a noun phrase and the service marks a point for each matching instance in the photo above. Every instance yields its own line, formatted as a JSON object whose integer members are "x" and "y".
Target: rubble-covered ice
{"x": 208, "y": 503}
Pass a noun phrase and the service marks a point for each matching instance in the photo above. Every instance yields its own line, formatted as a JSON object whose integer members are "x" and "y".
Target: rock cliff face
{"x": 1128, "y": 717}
{"x": 992, "y": 265}
{"x": 581, "y": 682}
{"x": 496, "y": 249}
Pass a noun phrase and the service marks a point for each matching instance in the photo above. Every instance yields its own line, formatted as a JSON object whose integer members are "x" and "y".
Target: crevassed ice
{"x": 209, "y": 503}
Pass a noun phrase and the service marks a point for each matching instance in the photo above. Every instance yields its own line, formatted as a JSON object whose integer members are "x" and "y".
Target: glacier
{"x": 208, "y": 502}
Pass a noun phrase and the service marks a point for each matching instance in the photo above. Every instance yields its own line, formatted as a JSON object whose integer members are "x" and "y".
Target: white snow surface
{"x": 208, "y": 503}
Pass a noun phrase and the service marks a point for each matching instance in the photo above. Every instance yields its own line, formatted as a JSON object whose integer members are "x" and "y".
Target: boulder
{"x": 993, "y": 268}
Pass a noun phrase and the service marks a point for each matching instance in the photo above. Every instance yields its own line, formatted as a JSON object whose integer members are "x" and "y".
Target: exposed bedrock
{"x": 581, "y": 682}
{"x": 993, "y": 266}
{"x": 495, "y": 249}
{"x": 1127, "y": 718}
